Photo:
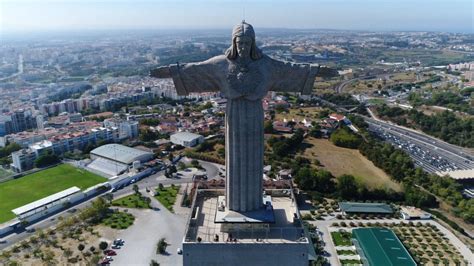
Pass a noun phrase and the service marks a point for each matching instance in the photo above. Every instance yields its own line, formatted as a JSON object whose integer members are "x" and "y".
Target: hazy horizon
{"x": 20, "y": 16}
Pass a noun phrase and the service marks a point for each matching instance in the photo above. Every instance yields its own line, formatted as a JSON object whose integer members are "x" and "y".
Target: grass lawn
{"x": 351, "y": 262}
{"x": 341, "y": 238}
{"x": 24, "y": 190}
{"x": 167, "y": 196}
{"x": 132, "y": 201}
{"x": 119, "y": 220}
{"x": 341, "y": 161}
{"x": 346, "y": 252}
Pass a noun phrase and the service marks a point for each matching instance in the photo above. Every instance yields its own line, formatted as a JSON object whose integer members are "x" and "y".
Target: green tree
{"x": 161, "y": 246}
{"x": 109, "y": 197}
{"x": 103, "y": 245}
{"x": 154, "y": 263}
{"x": 195, "y": 163}
{"x": 46, "y": 160}
{"x": 68, "y": 252}
{"x": 346, "y": 186}
{"x": 7, "y": 150}
{"x": 342, "y": 137}
{"x": 268, "y": 127}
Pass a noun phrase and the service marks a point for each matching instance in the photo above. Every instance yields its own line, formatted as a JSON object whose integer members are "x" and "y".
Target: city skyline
{"x": 387, "y": 15}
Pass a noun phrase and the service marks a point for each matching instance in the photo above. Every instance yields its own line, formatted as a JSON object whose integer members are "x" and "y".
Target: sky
{"x": 376, "y": 15}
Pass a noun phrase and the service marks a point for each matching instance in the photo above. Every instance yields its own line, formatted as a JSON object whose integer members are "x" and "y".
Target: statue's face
{"x": 243, "y": 46}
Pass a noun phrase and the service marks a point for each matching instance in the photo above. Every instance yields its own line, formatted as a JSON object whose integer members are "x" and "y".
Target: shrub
{"x": 103, "y": 245}
{"x": 154, "y": 263}
{"x": 161, "y": 246}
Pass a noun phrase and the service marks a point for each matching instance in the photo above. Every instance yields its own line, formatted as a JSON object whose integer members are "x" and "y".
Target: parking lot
{"x": 141, "y": 239}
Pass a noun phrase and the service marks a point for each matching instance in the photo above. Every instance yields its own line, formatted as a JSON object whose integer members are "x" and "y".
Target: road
{"x": 432, "y": 154}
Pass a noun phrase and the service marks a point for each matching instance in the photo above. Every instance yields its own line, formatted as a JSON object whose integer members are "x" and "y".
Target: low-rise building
{"x": 127, "y": 129}
{"x": 114, "y": 159}
{"x": 412, "y": 213}
{"x": 42, "y": 147}
{"x": 367, "y": 208}
{"x": 186, "y": 139}
{"x": 23, "y": 160}
{"x": 120, "y": 153}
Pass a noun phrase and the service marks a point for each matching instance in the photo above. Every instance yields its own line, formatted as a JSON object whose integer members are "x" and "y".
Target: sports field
{"x": 18, "y": 192}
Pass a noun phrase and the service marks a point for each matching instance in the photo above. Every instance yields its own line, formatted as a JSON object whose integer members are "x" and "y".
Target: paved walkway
{"x": 329, "y": 245}
{"x": 178, "y": 209}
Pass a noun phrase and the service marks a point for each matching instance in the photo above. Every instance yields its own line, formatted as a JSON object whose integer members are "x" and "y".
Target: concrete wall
{"x": 123, "y": 181}
{"x": 229, "y": 254}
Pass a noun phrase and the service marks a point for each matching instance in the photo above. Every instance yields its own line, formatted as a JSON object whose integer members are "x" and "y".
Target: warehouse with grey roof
{"x": 186, "y": 139}
{"x": 113, "y": 159}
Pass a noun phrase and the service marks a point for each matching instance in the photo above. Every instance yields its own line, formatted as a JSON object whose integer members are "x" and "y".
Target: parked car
{"x": 179, "y": 251}
{"x": 119, "y": 242}
{"x": 105, "y": 260}
{"x": 110, "y": 252}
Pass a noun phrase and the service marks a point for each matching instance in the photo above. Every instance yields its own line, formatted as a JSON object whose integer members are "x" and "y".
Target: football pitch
{"x": 21, "y": 191}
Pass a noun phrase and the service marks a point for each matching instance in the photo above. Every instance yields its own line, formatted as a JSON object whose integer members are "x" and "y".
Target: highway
{"x": 430, "y": 153}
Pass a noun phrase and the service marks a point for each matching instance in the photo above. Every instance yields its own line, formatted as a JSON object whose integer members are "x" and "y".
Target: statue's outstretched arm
{"x": 196, "y": 77}
{"x": 161, "y": 72}
{"x": 290, "y": 77}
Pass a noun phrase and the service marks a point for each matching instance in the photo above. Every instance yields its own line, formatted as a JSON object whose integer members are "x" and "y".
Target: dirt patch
{"x": 61, "y": 246}
{"x": 341, "y": 161}
{"x": 300, "y": 113}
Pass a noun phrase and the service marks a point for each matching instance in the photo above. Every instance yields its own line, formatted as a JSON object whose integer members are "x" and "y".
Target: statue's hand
{"x": 327, "y": 72}
{"x": 161, "y": 72}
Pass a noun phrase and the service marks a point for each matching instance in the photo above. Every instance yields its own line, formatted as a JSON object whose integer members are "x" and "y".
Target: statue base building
{"x": 272, "y": 235}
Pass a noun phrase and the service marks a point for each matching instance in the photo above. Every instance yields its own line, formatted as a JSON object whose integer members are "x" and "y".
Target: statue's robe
{"x": 244, "y": 87}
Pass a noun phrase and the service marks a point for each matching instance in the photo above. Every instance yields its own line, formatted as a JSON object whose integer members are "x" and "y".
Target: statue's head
{"x": 243, "y": 43}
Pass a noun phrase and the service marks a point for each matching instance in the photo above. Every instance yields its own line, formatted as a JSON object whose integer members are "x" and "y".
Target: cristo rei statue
{"x": 243, "y": 75}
